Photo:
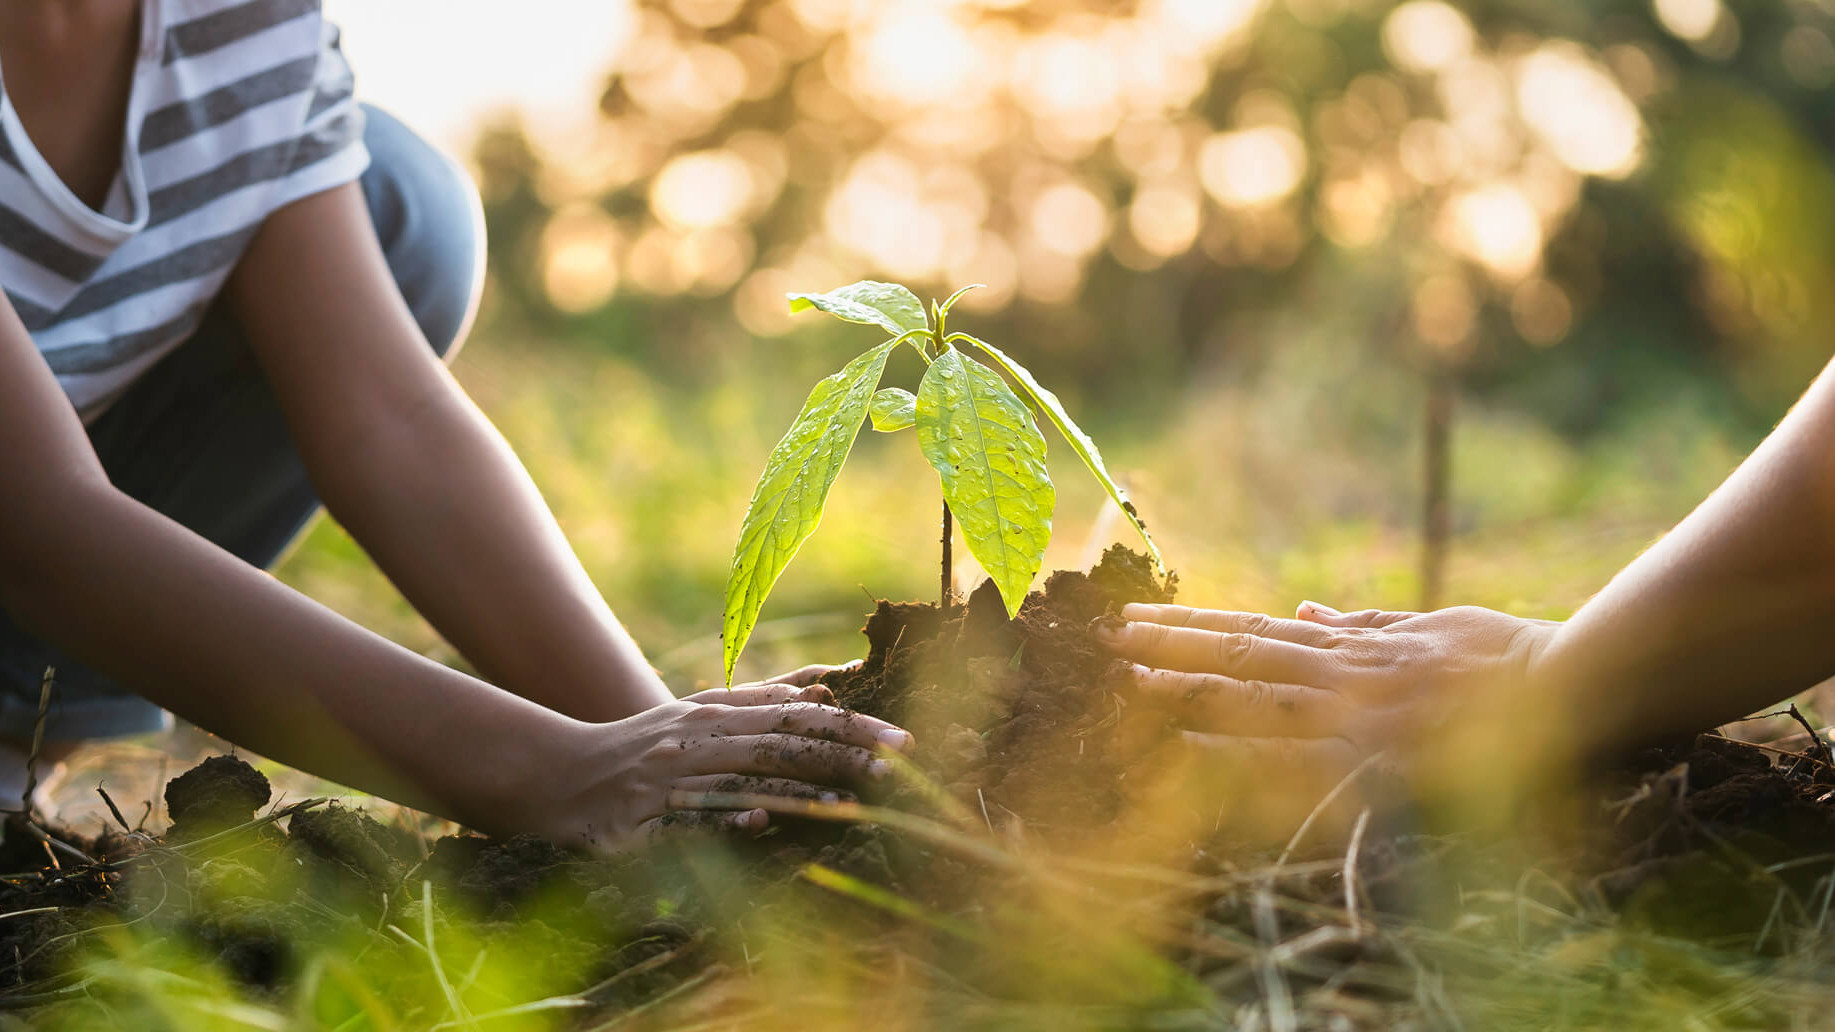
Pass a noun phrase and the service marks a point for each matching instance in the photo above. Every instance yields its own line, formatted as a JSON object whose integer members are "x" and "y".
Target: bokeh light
{"x": 1426, "y": 36}
{"x": 702, "y": 190}
{"x": 1497, "y": 226}
{"x": 1578, "y": 111}
{"x": 1252, "y": 167}
{"x": 1692, "y": 20}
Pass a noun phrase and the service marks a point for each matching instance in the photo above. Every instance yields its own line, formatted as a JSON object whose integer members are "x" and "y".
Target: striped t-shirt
{"x": 237, "y": 108}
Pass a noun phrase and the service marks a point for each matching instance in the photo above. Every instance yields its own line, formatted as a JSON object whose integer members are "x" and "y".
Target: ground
{"x": 1012, "y": 878}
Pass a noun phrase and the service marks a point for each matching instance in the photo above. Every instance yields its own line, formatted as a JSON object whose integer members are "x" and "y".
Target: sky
{"x": 440, "y": 65}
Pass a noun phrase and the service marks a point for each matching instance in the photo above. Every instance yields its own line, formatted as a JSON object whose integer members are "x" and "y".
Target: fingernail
{"x": 1320, "y": 609}
{"x": 895, "y": 739}
{"x": 828, "y": 797}
{"x": 878, "y": 769}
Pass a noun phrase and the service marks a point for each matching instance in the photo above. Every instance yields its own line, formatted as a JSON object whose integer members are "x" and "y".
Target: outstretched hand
{"x": 673, "y": 769}
{"x": 1301, "y": 704}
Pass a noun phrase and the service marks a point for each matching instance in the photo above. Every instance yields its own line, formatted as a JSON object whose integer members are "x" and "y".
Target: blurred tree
{"x": 1579, "y": 208}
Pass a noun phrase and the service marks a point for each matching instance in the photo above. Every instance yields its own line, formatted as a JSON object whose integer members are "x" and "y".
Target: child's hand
{"x": 661, "y": 772}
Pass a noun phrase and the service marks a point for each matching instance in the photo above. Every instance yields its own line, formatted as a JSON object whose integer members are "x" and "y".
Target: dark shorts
{"x": 200, "y": 437}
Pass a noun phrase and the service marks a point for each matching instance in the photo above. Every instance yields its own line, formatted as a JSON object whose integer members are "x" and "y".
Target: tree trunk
{"x": 1437, "y": 476}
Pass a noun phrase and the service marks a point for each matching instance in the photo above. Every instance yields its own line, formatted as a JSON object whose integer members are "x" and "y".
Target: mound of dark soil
{"x": 1014, "y": 714}
{"x": 219, "y": 793}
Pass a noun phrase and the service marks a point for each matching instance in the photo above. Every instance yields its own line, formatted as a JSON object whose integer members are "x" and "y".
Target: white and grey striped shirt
{"x": 237, "y": 108}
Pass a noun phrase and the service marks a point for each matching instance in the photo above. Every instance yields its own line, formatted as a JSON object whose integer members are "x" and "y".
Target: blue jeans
{"x": 200, "y": 437}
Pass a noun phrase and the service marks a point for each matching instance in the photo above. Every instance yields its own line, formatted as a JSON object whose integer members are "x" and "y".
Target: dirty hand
{"x": 662, "y": 772}
{"x": 1305, "y": 702}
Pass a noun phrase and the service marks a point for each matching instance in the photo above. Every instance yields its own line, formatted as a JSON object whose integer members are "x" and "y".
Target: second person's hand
{"x": 1299, "y": 705}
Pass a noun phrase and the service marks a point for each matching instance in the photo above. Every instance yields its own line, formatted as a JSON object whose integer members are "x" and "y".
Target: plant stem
{"x": 947, "y": 595}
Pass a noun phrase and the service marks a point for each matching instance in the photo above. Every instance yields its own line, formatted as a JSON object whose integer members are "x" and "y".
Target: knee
{"x": 431, "y": 226}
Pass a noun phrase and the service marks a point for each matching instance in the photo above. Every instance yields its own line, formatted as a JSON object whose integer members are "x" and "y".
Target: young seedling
{"x": 971, "y": 426}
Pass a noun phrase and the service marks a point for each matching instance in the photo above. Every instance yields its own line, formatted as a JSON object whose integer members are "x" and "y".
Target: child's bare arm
{"x": 417, "y": 474}
{"x": 199, "y": 631}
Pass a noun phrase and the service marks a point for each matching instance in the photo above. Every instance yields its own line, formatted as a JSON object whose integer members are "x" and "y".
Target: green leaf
{"x": 893, "y": 409}
{"x": 1079, "y": 441}
{"x": 787, "y": 503}
{"x": 981, "y": 439}
{"x": 871, "y": 302}
{"x": 950, "y": 302}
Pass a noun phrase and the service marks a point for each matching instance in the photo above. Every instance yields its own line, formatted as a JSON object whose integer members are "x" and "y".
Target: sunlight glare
{"x": 1204, "y": 24}
{"x": 879, "y": 212}
{"x": 1691, "y": 20}
{"x": 702, "y": 190}
{"x": 915, "y": 54}
{"x": 1059, "y": 75}
{"x": 1497, "y": 226}
{"x": 1250, "y": 168}
{"x": 1426, "y": 36}
{"x": 437, "y": 64}
{"x": 1578, "y": 111}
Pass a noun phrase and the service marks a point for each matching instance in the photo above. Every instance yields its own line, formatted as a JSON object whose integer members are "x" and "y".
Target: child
{"x": 228, "y": 292}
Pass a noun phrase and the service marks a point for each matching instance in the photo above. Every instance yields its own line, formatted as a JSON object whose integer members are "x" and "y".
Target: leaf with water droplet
{"x": 893, "y": 409}
{"x": 982, "y": 442}
{"x": 868, "y": 301}
{"x": 788, "y": 501}
{"x": 1079, "y": 441}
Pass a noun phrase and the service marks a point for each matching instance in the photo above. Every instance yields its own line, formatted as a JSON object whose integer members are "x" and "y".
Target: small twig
{"x": 1828, "y": 896}
{"x": 1323, "y": 937}
{"x": 459, "y": 1009}
{"x": 1350, "y": 872}
{"x": 1828, "y": 752}
{"x": 644, "y": 967}
{"x": 1771, "y": 919}
{"x": 23, "y": 1001}
{"x": 1330, "y": 797}
{"x": 269, "y": 818}
{"x": 552, "y": 1003}
{"x": 54, "y": 845}
{"x": 116, "y": 810}
{"x": 1774, "y": 750}
{"x": 38, "y": 741}
{"x": 680, "y": 989}
{"x": 1277, "y": 996}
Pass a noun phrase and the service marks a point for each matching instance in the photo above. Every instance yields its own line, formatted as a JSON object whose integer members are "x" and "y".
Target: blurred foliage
{"x": 1605, "y": 193}
{"x": 1235, "y": 235}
